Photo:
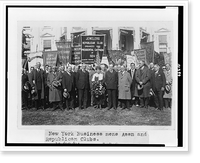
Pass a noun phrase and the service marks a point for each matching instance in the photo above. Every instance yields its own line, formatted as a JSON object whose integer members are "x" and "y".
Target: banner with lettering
{"x": 76, "y": 55}
{"x": 64, "y": 52}
{"x": 90, "y": 44}
{"x": 140, "y": 54}
{"x": 149, "y": 46}
{"x": 50, "y": 58}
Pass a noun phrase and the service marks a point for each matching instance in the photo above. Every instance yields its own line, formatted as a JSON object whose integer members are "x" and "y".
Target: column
{"x": 89, "y": 30}
{"x": 137, "y": 38}
{"x": 115, "y": 39}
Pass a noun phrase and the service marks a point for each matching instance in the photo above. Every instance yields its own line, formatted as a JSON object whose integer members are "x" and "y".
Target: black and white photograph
{"x": 95, "y": 75}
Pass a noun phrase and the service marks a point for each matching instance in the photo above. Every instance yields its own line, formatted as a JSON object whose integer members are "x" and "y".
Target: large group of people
{"x": 99, "y": 86}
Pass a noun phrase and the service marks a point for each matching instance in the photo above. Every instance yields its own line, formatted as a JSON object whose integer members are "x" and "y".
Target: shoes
{"x": 123, "y": 108}
{"x": 141, "y": 106}
{"x": 137, "y": 105}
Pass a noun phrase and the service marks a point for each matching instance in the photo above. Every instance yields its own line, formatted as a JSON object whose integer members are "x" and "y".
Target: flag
{"x": 64, "y": 52}
{"x": 149, "y": 46}
{"x": 50, "y": 58}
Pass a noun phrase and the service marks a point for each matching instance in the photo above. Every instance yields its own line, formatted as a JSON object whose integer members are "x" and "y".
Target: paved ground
{"x": 92, "y": 116}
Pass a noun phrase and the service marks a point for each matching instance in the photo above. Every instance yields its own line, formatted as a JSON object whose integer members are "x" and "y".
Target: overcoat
{"x": 124, "y": 84}
{"x": 55, "y": 93}
{"x": 144, "y": 76}
{"x": 168, "y": 77}
{"x": 34, "y": 77}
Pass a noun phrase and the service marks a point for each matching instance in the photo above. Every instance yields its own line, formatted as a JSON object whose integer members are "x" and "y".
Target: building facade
{"x": 118, "y": 35}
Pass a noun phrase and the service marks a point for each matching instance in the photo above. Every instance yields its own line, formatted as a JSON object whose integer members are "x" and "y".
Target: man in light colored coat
{"x": 124, "y": 86}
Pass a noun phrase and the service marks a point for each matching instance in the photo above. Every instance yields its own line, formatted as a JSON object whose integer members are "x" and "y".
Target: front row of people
{"x": 115, "y": 87}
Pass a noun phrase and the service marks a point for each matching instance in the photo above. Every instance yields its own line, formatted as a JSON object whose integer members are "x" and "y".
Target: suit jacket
{"x": 144, "y": 76}
{"x": 82, "y": 80}
{"x": 133, "y": 84}
{"x": 158, "y": 80}
{"x": 24, "y": 79}
{"x": 152, "y": 72}
{"x": 68, "y": 81}
{"x": 45, "y": 78}
{"x": 38, "y": 84}
{"x": 111, "y": 80}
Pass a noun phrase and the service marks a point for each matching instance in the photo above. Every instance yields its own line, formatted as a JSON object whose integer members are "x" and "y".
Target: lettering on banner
{"x": 90, "y": 45}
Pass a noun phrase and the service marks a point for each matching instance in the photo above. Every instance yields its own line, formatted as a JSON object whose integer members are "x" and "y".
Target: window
{"x": 144, "y": 37}
{"x": 27, "y": 46}
{"x": 76, "y": 38}
{"x": 108, "y": 38}
{"x": 126, "y": 40}
{"x": 162, "y": 39}
{"x": 47, "y": 45}
{"x": 163, "y": 43}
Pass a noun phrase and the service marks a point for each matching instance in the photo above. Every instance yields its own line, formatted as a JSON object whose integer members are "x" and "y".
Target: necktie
{"x": 132, "y": 74}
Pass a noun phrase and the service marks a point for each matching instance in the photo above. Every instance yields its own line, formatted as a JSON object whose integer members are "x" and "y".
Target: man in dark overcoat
{"x": 159, "y": 82}
{"x": 68, "y": 86}
{"x": 24, "y": 89}
{"x": 38, "y": 82}
{"x": 82, "y": 83}
{"x": 46, "y": 88}
{"x": 151, "y": 98}
{"x": 111, "y": 82}
{"x": 132, "y": 72}
{"x": 143, "y": 77}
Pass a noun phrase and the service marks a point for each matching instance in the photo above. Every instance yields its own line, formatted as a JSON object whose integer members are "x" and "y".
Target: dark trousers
{"x": 144, "y": 101}
{"x": 82, "y": 97}
{"x": 70, "y": 101}
{"x": 57, "y": 104}
{"x": 112, "y": 98}
{"x": 25, "y": 99}
{"x": 167, "y": 102}
{"x": 46, "y": 96}
{"x": 39, "y": 102}
{"x": 125, "y": 103}
{"x": 136, "y": 102}
{"x": 159, "y": 99}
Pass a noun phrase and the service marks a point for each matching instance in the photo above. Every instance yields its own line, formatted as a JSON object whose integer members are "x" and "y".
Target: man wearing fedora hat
{"x": 159, "y": 82}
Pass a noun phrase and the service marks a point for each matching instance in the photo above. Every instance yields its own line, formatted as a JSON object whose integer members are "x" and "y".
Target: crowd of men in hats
{"x": 110, "y": 87}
